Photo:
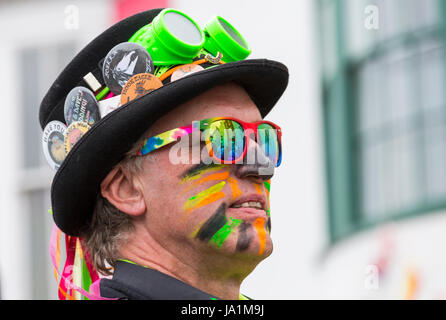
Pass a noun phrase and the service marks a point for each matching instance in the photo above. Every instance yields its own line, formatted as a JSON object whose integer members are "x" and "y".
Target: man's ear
{"x": 122, "y": 191}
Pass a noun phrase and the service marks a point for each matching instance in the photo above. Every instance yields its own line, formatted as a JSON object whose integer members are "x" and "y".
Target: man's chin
{"x": 254, "y": 251}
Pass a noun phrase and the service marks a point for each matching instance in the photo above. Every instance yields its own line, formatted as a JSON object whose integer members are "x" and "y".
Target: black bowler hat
{"x": 77, "y": 182}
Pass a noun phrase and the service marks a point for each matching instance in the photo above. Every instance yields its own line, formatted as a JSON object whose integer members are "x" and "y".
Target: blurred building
{"x": 384, "y": 115}
{"x": 358, "y": 204}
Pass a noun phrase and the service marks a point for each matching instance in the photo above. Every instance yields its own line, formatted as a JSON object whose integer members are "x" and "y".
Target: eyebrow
{"x": 198, "y": 168}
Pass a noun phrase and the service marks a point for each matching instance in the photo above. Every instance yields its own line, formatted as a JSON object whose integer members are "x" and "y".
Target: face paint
{"x": 258, "y": 188}
{"x": 218, "y": 227}
{"x": 213, "y": 224}
{"x": 259, "y": 225}
{"x": 198, "y": 170}
{"x": 220, "y": 236}
{"x": 267, "y": 185}
{"x": 236, "y": 192}
{"x": 220, "y": 176}
{"x": 244, "y": 238}
{"x": 204, "y": 197}
{"x": 268, "y": 225}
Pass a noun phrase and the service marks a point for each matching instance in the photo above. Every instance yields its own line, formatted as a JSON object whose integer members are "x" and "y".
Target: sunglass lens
{"x": 269, "y": 142}
{"x": 227, "y": 139}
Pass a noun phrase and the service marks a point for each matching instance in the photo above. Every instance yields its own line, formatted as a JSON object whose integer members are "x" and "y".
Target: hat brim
{"x": 77, "y": 182}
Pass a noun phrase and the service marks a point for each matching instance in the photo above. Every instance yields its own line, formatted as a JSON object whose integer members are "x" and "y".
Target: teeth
{"x": 249, "y": 204}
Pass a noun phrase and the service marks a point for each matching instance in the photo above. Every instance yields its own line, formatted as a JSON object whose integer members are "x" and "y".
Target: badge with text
{"x": 53, "y": 143}
{"x": 74, "y": 133}
{"x": 108, "y": 105}
{"x": 185, "y": 70}
{"x": 123, "y": 62}
{"x": 139, "y": 85}
{"x": 81, "y": 106}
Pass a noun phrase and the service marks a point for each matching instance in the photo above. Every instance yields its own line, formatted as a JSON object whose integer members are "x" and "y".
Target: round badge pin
{"x": 185, "y": 70}
{"x": 74, "y": 133}
{"x": 124, "y": 61}
{"x": 53, "y": 143}
{"x": 139, "y": 85}
{"x": 81, "y": 106}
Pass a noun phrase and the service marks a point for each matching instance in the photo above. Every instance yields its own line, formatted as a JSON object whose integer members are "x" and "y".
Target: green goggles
{"x": 175, "y": 38}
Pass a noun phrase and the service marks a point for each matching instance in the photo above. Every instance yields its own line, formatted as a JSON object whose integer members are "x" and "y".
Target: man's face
{"x": 196, "y": 208}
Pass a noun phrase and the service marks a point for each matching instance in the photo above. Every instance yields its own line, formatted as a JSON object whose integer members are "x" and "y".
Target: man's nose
{"x": 256, "y": 165}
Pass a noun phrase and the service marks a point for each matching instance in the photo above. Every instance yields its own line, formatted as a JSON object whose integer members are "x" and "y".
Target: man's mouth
{"x": 254, "y": 201}
{"x": 248, "y": 204}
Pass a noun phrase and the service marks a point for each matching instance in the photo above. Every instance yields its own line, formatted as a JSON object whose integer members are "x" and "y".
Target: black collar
{"x": 134, "y": 282}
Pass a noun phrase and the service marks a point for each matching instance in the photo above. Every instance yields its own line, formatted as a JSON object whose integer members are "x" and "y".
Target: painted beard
{"x": 218, "y": 227}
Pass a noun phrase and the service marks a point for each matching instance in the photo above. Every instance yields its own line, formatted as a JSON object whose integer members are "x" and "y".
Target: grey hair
{"x": 109, "y": 227}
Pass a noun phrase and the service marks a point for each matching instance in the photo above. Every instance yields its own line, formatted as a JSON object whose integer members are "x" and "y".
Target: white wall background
{"x": 39, "y": 25}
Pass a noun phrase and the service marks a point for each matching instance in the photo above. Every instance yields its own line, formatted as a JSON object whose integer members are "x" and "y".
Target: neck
{"x": 205, "y": 269}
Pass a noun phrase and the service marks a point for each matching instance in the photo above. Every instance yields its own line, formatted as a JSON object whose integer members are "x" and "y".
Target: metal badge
{"x": 81, "y": 105}
{"x": 74, "y": 133}
{"x": 123, "y": 62}
{"x": 53, "y": 143}
{"x": 108, "y": 105}
{"x": 139, "y": 85}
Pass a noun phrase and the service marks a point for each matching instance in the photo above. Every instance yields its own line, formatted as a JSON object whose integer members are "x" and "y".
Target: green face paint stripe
{"x": 215, "y": 188}
{"x": 220, "y": 236}
{"x": 267, "y": 185}
{"x": 196, "y": 199}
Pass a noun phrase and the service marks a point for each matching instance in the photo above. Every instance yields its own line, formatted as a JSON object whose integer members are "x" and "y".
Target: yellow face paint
{"x": 204, "y": 197}
{"x": 220, "y": 176}
{"x": 259, "y": 224}
{"x": 201, "y": 172}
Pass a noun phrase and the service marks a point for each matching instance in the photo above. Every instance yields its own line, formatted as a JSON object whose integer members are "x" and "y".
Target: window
{"x": 384, "y": 111}
{"x": 39, "y": 68}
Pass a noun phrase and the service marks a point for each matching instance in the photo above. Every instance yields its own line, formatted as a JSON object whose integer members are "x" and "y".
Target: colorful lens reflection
{"x": 268, "y": 140}
{"x": 227, "y": 139}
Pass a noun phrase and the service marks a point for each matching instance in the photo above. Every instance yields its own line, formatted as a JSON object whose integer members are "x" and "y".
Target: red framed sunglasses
{"x": 227, "y": 139}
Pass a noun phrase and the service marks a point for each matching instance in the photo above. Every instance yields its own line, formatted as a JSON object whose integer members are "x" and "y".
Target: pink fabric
{"x": 126, "y": 8}
{"x": 66, "y": 284}
{"x": 109, "y": 95}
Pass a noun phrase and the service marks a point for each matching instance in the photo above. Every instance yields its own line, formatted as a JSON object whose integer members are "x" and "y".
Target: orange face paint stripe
{"x": 211, "y": 198}
{"x": 201, "y": 173}
{"x": 236, "y": 192}
{"x": 204, "y": 197}
{"x": 258, "y": 188}
{"x": 215, "y": 176}
{"x": 259, "y": 224}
